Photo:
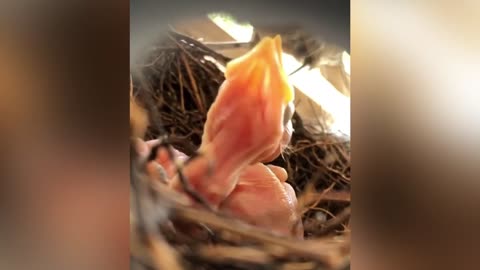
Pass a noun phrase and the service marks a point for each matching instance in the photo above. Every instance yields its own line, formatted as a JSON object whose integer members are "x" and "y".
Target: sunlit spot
{"x": 310, "y": 82}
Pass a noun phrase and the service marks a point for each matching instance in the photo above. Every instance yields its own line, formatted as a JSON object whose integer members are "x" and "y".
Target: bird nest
{"x": 177, "y": 83}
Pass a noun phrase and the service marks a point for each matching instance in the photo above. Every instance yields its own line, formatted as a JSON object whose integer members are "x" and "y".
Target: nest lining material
{"x": 177, "y": 84}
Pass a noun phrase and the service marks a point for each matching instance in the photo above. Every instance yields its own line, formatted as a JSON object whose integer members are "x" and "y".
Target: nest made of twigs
{"x": 177, "y": 83}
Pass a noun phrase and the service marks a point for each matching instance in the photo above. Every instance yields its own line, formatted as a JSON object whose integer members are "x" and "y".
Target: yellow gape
{"x": 262, "y": 69}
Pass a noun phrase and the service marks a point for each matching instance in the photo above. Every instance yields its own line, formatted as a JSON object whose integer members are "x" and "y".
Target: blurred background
{"x": 415, "y": 129}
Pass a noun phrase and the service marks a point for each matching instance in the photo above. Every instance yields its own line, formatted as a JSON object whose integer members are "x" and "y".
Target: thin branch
{"x": 332, "y": 223}
{"x": 200, "y": 45}
{"x": 328, "y": 252}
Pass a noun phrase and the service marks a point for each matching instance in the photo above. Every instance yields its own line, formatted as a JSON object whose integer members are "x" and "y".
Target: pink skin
{"x": 245, "y": 124}
{"x": 261, "y": 197}
{"x": 230, "y": 143}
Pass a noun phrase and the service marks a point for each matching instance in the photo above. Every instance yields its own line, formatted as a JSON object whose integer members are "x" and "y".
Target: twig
{"x": 199, "y": 44}
{"x": 311, "y": 199}
{"x": 180, "y": 79}
{"x": 332, "y": 223}
{"x": 337, "y": 196}
{"x": 193, "y": 83}
{"x": 299, "y": 266}
{"x": 339, "y": 173}
{"x": 228, "y": 45}
{"x": 299, "y": 149}
{"x": 163, "y": 255}
{"x": 324, "y": 251}
{"x": 163, "y": 142}
{"x": 224, "y": 253}
{"x": 154, "y": 252}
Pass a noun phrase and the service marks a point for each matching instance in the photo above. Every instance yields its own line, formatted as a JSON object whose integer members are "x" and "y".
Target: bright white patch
{"x": 310, "y": 82}
{"x": 317, "y": 88}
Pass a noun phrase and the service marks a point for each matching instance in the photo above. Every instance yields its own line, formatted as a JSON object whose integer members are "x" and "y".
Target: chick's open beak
{"x": 245, "y": 124}
{"x": 262, "y": 69}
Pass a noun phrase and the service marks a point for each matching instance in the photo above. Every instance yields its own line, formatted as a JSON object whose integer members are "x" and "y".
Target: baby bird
{"x": 247, "y": 123}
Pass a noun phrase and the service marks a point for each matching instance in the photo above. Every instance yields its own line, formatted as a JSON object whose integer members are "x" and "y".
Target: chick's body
{"x": 261, "y": 197}
{"x": 247, "y": 124}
